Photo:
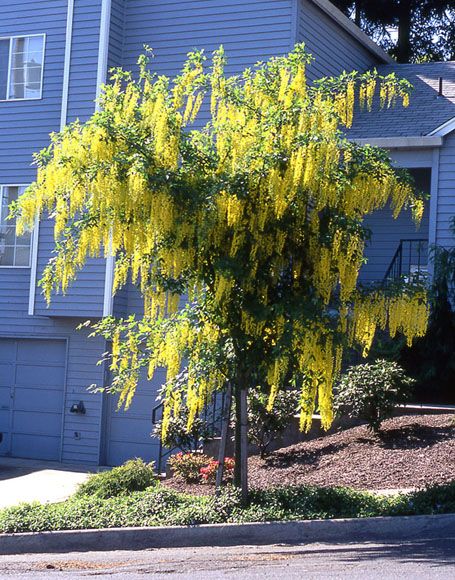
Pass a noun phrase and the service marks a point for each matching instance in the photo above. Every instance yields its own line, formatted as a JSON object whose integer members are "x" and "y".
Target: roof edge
{"x": 353, "y": 29}
{"x": 418, "y": 142}
{"x": 444, "y": 129}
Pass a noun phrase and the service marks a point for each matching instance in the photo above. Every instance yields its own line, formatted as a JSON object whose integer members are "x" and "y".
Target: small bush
{"x": 208, "y": 473}
{"x": 134, "y": 475}
{"x": 187, "y": 466}
{"x": 371, "y": 391}
{"x": 265, "y": 426}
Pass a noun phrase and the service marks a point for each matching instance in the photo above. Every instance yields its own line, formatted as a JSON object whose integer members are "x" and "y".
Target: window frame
{"x": 32, "y": 233}
{"x": 11, "y": 38}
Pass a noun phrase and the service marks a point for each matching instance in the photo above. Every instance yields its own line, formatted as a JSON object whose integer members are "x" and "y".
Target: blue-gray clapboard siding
{"x": 332, "y": 47}
{"x": 85, "y": 296}
{"x": 446, "y": 192}
{"x": 116, "y": 36}
{"x": 25, "y": 125}
{"x": 386, "y": 235}
{"x": 249, "y": 31}
{"x": 387, "y": 232}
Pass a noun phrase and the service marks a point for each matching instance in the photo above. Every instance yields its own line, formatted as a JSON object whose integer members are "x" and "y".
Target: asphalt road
{"x": 431, "y": 558}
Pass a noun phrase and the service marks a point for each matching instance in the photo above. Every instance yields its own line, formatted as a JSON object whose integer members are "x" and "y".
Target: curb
{"x": 299, "y": 532}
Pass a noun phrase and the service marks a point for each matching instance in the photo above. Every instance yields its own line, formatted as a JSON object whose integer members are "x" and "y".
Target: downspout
{"x": 63, "y": 115}
{"x": 101, "y": 80}
{"x": 433, "y": 218}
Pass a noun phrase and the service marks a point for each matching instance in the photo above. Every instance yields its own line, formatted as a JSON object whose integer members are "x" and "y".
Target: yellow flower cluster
{"x": 261, "y": 179}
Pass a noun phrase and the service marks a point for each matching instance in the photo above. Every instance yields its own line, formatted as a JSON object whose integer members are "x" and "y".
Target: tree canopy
{"x": 425, "y": 28}
{"x": 257, "y": 219}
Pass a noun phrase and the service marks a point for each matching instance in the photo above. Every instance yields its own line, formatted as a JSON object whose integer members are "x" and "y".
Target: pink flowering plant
{"x": 187, "y": 466}
{"x": 208, "y": 473}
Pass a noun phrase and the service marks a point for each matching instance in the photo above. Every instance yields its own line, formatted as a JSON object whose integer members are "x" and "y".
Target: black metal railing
{"x": 410, "y": 260}
{"x": 212, "y": 416}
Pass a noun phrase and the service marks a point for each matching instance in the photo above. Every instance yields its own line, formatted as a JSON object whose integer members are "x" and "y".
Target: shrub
{"x": 371, "y": 391}
{"x": 179, "y": 436}
{"x": 265, "y": 426}
{"x": 208, "y": 473}
{"x": 187, "y": 466}
{"x": 134, "y": 475}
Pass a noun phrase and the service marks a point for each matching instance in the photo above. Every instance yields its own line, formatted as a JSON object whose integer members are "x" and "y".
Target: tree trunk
{"x": 241, "y": 439}
{"x": 244, "y": 444}
{"x": 237, "y": 438}
{"x": 224, "y": 435}
{"x": 404, "y": 51}
{"x": 358, "y": 14}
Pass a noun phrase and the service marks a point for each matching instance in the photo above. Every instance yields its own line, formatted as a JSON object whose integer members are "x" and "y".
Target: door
{"x": 129, "y": 433}
{"x": 32, "y": 380}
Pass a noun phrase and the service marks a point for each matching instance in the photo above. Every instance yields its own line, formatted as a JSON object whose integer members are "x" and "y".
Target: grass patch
{"x": 160, "y": 506}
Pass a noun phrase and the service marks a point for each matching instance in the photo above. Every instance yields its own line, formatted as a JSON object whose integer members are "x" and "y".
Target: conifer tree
{"x": 257, "y": 219}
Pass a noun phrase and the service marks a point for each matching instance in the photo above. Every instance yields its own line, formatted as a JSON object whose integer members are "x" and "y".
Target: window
{"x": 14, "y": 250}
{"x": 21, "y": 67}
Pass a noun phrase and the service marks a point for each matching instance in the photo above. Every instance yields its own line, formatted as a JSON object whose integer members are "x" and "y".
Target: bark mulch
{"x": 410, "y": 452}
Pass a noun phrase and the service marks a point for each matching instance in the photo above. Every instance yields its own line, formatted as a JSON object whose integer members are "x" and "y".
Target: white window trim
{"x": 11, "y": 38}
{"x": 32, "y": 237}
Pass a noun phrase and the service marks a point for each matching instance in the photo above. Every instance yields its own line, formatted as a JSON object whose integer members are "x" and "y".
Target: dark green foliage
{"x": 159, "y": 506}
{"x": 431, "y": 359}
{"x": 371, "y": 391}
{"x": 265, "y": 426}
{"x": 179, "y": 436}
{"x": 134, "y": 475}
{"x": 425, "y": 28}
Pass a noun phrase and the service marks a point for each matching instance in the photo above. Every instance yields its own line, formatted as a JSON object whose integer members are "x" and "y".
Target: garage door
{"x": 32, "y": 379}
{"x": 129, "y": 432}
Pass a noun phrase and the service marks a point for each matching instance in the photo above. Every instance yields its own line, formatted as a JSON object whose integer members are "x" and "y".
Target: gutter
{"x": 419, "y": 142}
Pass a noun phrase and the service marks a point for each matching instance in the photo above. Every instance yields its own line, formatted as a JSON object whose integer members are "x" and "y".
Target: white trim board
{"x": 444, "y": 129}
{"x": 63, "y": 117}
{"x": 67, "y": 63}
{"x": 101, "y": 78}
{"x": 401, "y": 142}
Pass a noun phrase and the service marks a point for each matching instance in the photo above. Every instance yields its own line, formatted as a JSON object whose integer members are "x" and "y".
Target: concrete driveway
{"x": 25, "y": 480}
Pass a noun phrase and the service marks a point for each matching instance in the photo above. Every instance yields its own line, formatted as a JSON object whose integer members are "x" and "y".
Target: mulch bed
{"x": 411, "y": 452}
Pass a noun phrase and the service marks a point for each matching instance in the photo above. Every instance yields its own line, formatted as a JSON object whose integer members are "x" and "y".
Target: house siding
{"x": 332, "y": 47}
{"x": 85, "y": 296}
{"x": 446, "y": 193}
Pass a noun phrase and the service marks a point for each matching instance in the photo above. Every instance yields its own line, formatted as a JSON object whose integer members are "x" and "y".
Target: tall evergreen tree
{"x": 425, "y": 28}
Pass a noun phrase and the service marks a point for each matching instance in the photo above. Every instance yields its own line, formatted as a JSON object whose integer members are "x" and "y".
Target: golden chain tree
{"x": 257, "y": 219}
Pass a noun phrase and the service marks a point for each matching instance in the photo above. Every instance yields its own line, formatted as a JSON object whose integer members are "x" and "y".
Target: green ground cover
{"x": 160, "y": 506}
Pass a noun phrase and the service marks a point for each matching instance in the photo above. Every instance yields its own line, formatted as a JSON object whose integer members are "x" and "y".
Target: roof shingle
{"x": 427, "y": 110}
